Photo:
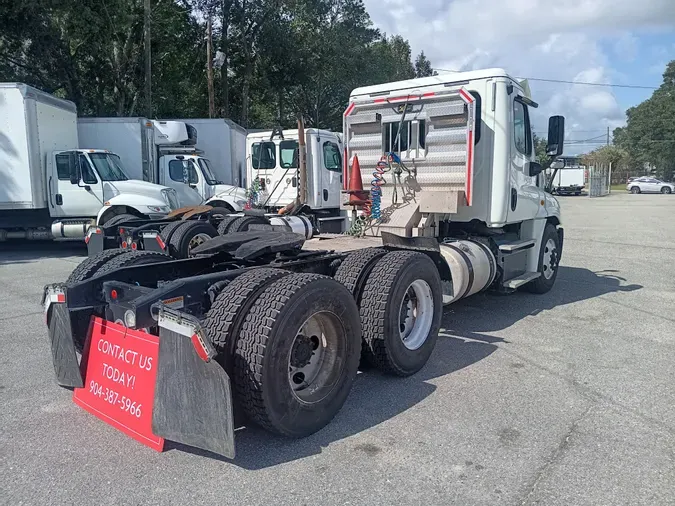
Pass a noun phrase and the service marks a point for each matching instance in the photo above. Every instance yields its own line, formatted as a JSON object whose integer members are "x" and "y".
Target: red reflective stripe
{"x": 405, "y": 98}
{"x": 466, "y": 96}
{"x": 86, "y": 240}
{"x": 61, "y": 297}
{"x": 345, "y": 164}
{"x": 350, "y": 109}
{"x": 469, "y": 167}
{"x": 199, "y": 348}
{"x": 161, "y": 243}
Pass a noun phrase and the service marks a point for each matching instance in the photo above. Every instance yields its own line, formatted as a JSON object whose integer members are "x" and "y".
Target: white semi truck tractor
{"x": 50, "y": 186}
{"x": 275, "y": 325}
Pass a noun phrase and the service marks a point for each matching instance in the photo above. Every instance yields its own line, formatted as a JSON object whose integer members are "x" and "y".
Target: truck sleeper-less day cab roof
{"x": 490, "y": 173}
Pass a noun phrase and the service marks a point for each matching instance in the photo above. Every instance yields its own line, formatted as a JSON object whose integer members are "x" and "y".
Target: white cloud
{"x": 534, "y": 38}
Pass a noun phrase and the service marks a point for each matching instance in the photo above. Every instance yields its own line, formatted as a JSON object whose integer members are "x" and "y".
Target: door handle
{"x": 51, "y": 203}
{"x": 59, "y": 199}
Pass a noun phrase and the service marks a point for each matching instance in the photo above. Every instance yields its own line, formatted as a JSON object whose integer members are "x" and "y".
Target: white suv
{"x": 649, "y": 185}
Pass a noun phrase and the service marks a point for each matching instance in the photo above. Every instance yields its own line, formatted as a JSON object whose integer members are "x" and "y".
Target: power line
{"x": 585, "y": 83}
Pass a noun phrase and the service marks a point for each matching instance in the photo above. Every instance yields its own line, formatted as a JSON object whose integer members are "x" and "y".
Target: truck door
{"x": 331, "y": 173}
{"x": 71, "y": 199}
{"x": 177, "y": 173}
{"x": 524, "y": 195}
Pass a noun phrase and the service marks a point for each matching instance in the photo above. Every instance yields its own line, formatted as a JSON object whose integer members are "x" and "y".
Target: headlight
{"x": 170, "y": 198}
{"x": 160, "y": 209}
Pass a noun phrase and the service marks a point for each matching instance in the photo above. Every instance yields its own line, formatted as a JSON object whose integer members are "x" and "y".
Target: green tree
{"x": 423, "y": 66}
{"x": 649, "y": 134}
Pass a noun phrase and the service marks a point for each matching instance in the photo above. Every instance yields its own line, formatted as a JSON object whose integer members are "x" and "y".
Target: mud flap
{"x": 193, "y": 398}
{"x": 65, "y": 362}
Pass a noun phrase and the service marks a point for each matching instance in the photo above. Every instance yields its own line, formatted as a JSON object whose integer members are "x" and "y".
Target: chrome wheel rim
{"x": 197, "y": 240}
{"x": 416, "y": 314}
{"x": 317, "y": 357}
{"x": 550, "y": 262}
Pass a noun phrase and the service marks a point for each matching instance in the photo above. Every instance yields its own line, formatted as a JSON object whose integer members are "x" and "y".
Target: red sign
{"x": 119, "y": 367}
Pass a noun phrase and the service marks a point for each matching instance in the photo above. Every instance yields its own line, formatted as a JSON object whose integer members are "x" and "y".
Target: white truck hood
{"x": 222, "y": 190}
{"x": 186, "y": 195}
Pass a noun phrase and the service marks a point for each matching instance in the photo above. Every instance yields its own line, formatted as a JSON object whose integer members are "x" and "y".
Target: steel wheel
{"x": 317, "y": 356}
{"x": 197, "y": 240}
{"x": 416, "y": 314}
{"x": 550, "y": 259}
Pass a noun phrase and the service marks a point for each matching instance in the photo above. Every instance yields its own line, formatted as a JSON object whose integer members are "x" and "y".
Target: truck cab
{"x": 272, "y": 158}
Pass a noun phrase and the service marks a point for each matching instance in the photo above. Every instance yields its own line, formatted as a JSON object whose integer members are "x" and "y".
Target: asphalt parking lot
{"x": 562, "y": 399}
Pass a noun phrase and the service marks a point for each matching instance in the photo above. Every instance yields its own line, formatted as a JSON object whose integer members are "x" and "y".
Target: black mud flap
{"x": 193, "y": 398}
{"x": 65, "y": 362}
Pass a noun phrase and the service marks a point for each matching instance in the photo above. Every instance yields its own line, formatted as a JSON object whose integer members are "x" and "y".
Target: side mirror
{"x": 74, "y": 169}
{"x": 534, "y": 169}
{"x": 556, "y": 136}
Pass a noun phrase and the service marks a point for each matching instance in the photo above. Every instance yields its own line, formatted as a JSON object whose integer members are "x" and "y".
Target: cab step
{"x": 514, "y": 247}
{"x": 521, "y": 280}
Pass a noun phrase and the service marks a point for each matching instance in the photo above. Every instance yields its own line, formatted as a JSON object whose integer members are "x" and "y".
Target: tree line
{"x": 647, "y": 143}
{"x": 270, "y": 60}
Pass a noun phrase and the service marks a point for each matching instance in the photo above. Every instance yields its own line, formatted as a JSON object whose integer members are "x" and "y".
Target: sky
{"x": 627, "y": 42}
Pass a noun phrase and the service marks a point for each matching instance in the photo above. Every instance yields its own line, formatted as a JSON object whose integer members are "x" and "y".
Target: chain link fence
{"x": 599, "y": 180}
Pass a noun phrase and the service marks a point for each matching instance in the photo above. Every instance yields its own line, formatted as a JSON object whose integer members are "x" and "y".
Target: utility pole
{"x": 209, "y": 65}
{"x": 148, "y": 60}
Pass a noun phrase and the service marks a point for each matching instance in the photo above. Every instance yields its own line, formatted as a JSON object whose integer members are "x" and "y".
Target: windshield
{"x": 108, "y": 166}
{"x": 207, "y": 171}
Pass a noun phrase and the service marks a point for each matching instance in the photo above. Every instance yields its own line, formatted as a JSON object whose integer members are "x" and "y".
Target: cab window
{"x": 263, "y": 155}
{"x": 88, "y": 176}
{"x": 288, "y": 154}
{"x": 521, "y": 128}
{"x": 176, "y": 171}
{"x": 332, "y": 159}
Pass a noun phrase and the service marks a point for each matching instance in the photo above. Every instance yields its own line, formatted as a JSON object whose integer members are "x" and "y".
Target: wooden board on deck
{"x": 339, "y": 242}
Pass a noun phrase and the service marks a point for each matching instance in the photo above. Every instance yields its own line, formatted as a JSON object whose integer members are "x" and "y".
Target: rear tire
{"x": 224, "y": 225}
{"x": 229, "y": 309}
{"x": 401, "y": 309}
{"x": 665, "y": 190}
{"x": 241, "y": 224}
{"x": 188, "y": 236}
{"x": 353, "y": 273}
{"x": 119, "y": 219}
{"x": 272, "y": 356}
{"x": 168, "y": 231}
{"x": 635, "y": 189}
{"x": 218, "y": 214}
{"x": 549, "y": 260}
{"x": 132, "y": 258}
{"x": 88, "y": 267}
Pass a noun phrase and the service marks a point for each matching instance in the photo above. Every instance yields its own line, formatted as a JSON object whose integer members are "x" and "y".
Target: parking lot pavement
{"x": 565, "y": 398}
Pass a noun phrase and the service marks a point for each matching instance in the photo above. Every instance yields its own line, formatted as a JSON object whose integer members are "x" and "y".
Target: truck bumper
{"x": 193, "y": 398}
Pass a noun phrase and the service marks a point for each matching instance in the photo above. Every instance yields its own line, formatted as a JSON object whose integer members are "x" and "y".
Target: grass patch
{"x": 619, "y": 187}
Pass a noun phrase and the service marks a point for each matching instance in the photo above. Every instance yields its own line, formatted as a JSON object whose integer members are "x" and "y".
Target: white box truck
{"x": 568, "y": 180}
{"x": 52, "y": 188}
{"x": 163, "y": 152}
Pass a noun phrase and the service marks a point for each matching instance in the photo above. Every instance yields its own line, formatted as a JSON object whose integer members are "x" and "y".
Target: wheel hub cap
{"x": 550, "y": 262}
{"x": 416, "y": 314}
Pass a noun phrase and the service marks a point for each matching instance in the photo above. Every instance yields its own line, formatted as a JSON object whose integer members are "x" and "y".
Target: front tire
{"x": 549, "y": 261}
{"x": 666, "y": 191}
{"x": 635, "y": 190}
{"x": 297, "y": 354}
{"x": 401, "y": 309}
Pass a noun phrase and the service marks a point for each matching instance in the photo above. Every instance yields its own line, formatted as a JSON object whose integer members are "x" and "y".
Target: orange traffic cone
{"x": 357, "y": 196}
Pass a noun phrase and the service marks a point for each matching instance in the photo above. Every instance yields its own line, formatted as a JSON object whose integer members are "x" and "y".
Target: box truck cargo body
{"x": 51, "y": 187}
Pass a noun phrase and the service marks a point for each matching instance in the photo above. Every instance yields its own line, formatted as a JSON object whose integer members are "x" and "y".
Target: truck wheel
{"x": 549, "y": 259}
{"x": 88, "y": 267}
{"x": 241, "y": 224}
{"x": 168, "y": 231}
{"x": 227, "y": 313}
{"x": 297, "y": 354}
{"x": 353, "y": 272}
{"x": 188, "y": 236}
{"x": 401, "y": 310}
{"x": 131, "y": 258}
{"x": 224, "y": 226}
{"x": 119, "y": 219}
{"x": 217, "y": 214}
